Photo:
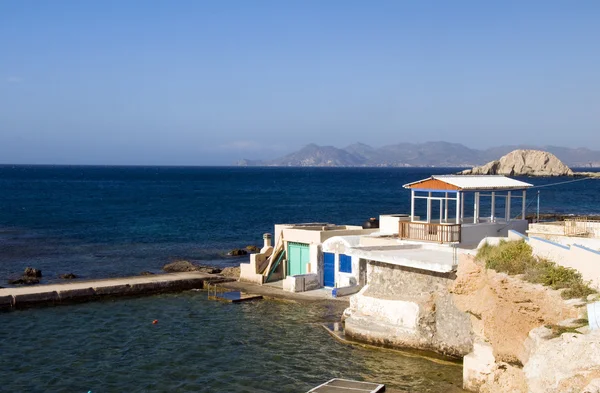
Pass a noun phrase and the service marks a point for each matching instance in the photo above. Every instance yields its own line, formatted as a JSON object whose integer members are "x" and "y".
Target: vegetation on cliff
{"x": 516, "y": 257}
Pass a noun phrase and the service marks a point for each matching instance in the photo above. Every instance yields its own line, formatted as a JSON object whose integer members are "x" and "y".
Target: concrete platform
{"x": 235, "y": 297}
{"x": 83, "y": 291}
{"x": 338, "y": 385}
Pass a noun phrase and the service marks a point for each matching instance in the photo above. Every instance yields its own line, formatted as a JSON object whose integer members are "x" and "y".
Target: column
{"x": 462, "y": 208}
{"x": 524, "y": 205}
{"x": 508, "y": 206}
{"x": 476, "y": 209}
{"x": 493, "y": 215}
{"x": 429, "y": 207}
{"x": 458, "y": 198}
{"x": 446, "y": 211}
{"x": 412, "y": 205}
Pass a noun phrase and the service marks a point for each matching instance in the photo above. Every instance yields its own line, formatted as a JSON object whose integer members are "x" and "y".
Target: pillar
{"x": 462, "y": 208}
{"x": 493, "y": 215}
{"x": 476, "y": 209}
{"x": 429, "y": 207}
{"x": 524, "y": 205}
{"x": 412, "y": 205}
{"x": 508, "y": 206}
{"x": 446, "y": 210}
{"x": 458, "y": 199}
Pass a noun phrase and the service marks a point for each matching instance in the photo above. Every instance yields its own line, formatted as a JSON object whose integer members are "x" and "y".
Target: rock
{"x": 32, "y": 272}
{"x": 592, "y": 387}
{"x": 237, "y": 252}
{"x": 209, "y": 269}
{"x": 146, "y": 273}
{"x": 523, "y": 163}
{"x": 180, "y": 266}
{"x": 24, "y": 281}
{"x": 231, "y": 272}
{"x": 68, "y": 276}
{"x": 187, "y": 266}
{"x": 568, "y": 363}
{"x": 253, "y": 249}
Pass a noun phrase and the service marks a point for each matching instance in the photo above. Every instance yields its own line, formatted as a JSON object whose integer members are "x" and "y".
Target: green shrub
{"x": 515, "y": 257}
{"x": 508, "y": 257}
{"x": 577, "y": 290}
{"x": 552, "y": 275}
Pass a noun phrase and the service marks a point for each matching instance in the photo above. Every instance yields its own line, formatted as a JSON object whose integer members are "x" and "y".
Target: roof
{"x": 469, "y": 182}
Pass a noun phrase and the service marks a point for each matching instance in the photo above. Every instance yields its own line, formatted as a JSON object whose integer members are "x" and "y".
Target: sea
{"x": 108, "y": 221}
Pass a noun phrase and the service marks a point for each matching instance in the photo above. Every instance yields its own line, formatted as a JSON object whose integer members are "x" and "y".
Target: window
{"x": 345, "y": 263}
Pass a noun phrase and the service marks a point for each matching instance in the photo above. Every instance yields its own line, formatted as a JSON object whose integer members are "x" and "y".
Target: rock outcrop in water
{"x": 30, "y": 276}
{"x": 187, "y": 266}
{"x": 523, "y": 163}
{"x": 238, "y": 252}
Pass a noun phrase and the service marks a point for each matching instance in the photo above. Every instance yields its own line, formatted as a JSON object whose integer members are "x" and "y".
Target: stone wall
{"x": 407, "y": 307}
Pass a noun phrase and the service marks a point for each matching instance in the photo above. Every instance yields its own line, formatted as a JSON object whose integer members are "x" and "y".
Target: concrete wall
{"x": 301, "y": 283}
{"x": 406, "y": 307}
{"x": 472, "y": 234}
{"x": 389, "y": 224}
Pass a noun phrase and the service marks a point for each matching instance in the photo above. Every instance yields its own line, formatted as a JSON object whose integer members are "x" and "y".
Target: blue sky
{"x": 210, "y": 82}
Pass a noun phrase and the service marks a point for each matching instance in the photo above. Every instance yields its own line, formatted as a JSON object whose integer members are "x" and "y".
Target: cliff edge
{"x": 523, "y": 163}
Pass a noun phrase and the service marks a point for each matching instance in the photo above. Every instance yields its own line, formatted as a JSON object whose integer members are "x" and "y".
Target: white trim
{"x": 477, "y": 182}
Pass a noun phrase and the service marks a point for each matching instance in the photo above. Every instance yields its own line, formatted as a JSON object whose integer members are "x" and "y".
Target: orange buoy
{"x": 155, "y": 322}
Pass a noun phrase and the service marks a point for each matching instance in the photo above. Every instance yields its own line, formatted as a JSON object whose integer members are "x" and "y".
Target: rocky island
{"x": 527, "y": 163}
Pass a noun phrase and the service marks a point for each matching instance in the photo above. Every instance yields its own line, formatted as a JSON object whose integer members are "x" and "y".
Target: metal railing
{"x": 578, "y": 226}
{"x": 432, "y": 232}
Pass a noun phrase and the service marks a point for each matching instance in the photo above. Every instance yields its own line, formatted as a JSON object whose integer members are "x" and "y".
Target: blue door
{"x": 328, "y": 269}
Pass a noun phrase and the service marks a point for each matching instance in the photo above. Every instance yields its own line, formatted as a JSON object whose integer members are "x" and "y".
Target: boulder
{"x": 231, "y": 272}
{"x": 32, "y": 272}
{"x": 68, "y": 276}
{"x": 187, "y": 266}
{"x": 253, "y": 249}
{"x": 146, "y": 273}
{"x": 523, "y": 163}
{"x": 568, "y": 363}
{"x": 237, "y": 252}
{"x": 179, "y": 266}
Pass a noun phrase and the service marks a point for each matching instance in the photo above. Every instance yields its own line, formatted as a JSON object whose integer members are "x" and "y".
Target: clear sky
{"x": 210, "y": 82}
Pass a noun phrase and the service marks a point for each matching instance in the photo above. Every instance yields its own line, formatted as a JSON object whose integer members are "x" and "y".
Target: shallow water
{"x": 197, "y": 346}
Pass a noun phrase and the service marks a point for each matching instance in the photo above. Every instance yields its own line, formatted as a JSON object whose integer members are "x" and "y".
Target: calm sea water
{"x": 113, "y": 221}
{"x": 197, "y": 346}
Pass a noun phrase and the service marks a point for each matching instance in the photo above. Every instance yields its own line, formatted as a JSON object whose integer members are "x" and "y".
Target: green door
{"x": 297, "y": 258}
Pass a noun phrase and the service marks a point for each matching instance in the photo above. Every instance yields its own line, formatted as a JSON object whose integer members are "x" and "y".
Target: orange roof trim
{"x": 433, "y": 184}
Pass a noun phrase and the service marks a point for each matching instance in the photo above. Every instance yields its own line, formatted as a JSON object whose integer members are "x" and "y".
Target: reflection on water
{"x": 196, "y": 346}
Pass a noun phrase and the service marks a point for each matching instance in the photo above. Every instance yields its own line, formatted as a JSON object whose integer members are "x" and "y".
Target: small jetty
{"x": 338, "y": 385}
{"x": 90, "y": 290}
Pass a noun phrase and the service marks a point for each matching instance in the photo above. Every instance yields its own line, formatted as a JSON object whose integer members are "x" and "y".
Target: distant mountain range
{"x": 429, "y": 154}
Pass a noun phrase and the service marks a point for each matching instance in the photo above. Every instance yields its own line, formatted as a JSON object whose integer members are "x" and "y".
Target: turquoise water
{"x": 197, "y": 346}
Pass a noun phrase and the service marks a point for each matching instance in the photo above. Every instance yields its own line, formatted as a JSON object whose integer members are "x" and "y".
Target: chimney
{"x": 267, "y": 240}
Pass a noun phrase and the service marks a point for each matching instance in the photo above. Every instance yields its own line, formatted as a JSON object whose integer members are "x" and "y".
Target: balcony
{"x": 431, "y": 232}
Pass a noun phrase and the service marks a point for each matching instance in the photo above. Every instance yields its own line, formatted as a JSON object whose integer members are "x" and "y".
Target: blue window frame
{"x": 345, "y": 263}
